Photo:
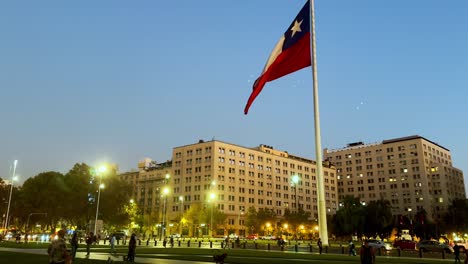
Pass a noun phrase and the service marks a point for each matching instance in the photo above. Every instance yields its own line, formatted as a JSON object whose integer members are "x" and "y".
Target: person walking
{"x": 57, "y": 250}
{"x": 352, "y": 248}
{"x": 131, "y": 248}
{"x": 112, "y": 244}
{"x": 89, "y": 241}
{"x": 319, "y": 244}
{"x": 226, "y": 243}
{"x": 456, "y": 252}
{"x": 367, "y": 253}
{"x": 74, "y": 245}
{"x": 171, "y": 241}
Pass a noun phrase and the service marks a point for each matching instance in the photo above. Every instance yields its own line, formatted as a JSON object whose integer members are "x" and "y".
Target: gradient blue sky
{"x": 117, "y": 81}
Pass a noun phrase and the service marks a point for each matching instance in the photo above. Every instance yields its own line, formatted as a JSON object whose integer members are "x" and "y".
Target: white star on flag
{"x": 296, "y": 28}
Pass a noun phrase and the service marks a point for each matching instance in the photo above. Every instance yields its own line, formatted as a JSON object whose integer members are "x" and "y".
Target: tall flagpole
{"x": 11, "y": 191}
{"x": 322, "y": 212}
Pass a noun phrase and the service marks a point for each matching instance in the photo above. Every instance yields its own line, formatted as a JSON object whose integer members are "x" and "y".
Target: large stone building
{"x": 413, "y": 173}
{"x": 235, "y": 178}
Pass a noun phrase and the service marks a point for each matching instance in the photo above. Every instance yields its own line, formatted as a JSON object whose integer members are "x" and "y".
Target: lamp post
{"x": 211, "y": 200}
{"x": 165, "y": 192}
{"x": 13, "y": 178}
{"x": 295, "y": 180}
{"x": 241, "y": 212}
{"x": 101, "y": 171}
{"x": 181, "y": 200}
{"x": 268, "y": 225}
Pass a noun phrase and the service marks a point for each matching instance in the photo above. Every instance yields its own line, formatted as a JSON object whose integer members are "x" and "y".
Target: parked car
{"x": 176, "y": 235}
{"x": 434, "y": 246}
{"x": 252, "y": 236}
{"x": 404, "y": 244}
{"x": 463, "y": 244}
{"x": 269, "y": 237}
{"x": 379, "y": 244}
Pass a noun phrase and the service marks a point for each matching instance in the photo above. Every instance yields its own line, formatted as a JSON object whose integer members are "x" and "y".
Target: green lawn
{"x": 235, "y": 256}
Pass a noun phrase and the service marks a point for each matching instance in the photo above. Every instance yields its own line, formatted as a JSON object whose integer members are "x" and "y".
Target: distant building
{"x": 241, "y": 177}
{"x": 147, "y": 183}
{"x": 413, "y": 173}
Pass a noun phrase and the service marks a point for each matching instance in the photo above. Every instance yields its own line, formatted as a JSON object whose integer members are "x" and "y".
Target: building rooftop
{"x": 360, "y": 144}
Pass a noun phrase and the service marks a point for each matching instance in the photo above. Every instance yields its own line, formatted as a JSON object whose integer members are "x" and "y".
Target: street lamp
{"x": 13, "y": 178}
{"x": 295, "y": 181}
{"x": 165, "y": 193}
{"x": 167, "y": 178}
{"x": 101, "y": 171}
{"x": 241, "y": 212}
{"x": 211, "y": 200}
{"x": 181, "y": 200}
{"x": 268, "y": 225}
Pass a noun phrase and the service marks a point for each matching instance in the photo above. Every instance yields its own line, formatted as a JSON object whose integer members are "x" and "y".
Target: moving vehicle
{"x": 269, "y": 237}
{"x": 434, "y": 246}
{"x": 404, "y": 244}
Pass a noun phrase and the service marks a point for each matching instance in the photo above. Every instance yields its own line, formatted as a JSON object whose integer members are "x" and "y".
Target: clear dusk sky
{"x": 118, "y": 81}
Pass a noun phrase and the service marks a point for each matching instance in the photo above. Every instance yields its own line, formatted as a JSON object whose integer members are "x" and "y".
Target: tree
{"x": 114, "y": 196}
{"x": 78, "y": 187}
{"x": 255, "y": 220}
{"x": 455, "y": 218}
{"x": 46, "y": 193}
{"x": 252, "y": 222}
{"x": 350, "y": 217}
{"x": 378, "y": 218}
{"x": 296, "y": 218}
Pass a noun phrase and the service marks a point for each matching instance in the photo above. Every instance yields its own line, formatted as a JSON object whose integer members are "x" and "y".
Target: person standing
{"x": 89, "y": 241}
{"x": 131, "y": 248}
{"x": 367, "y": 253}
{"x": 112, "y": 244}
{"x": 466, "y": 256}
{"x": 74, "y": 245}
{"x": 57, "y": 250}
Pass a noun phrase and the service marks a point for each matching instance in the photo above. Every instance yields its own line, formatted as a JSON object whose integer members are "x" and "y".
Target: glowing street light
{"x": 165, "y": 192}
{"x": 295, "y": 181}
{"x": 181, "y": 200}
{"x": 100, "y": 171}
{"x": 212, "y": 200}
{"x": 13, "y": 178}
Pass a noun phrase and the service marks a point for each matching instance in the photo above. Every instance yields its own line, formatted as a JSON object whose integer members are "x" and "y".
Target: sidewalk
{"x": 105, "y": 256}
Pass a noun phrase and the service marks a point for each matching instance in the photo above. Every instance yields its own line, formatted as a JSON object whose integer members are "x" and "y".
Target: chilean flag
{"x": 291, "y": 53}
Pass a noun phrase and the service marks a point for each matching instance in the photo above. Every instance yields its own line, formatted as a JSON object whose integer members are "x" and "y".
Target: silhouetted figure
{"x": 74, "y": 245}
{"x": 367, "y": 253}
{"x": 131, "y": 248}
{"x": 319, "y": 244}
{"x": 89, "y": 241}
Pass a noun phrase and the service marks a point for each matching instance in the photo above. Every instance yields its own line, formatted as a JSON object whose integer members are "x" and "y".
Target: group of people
{"x": 58, "y": 253}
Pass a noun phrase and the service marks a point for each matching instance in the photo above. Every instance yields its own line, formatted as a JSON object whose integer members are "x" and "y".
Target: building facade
{"x": 147, "y": 185}
{"x": 235, "y": 178}
{"x": 413, "y": 173}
